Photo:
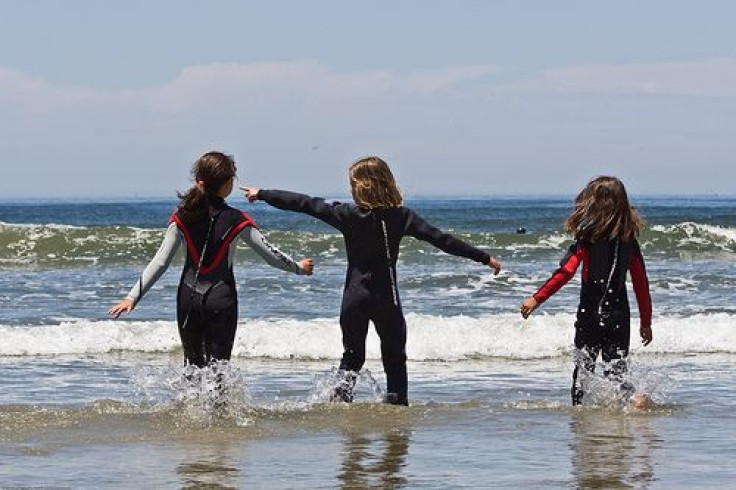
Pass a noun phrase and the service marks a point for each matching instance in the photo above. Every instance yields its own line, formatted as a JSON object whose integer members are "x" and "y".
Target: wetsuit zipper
{"x": 196, "y": 273}
{"x": 608, "y": 282}
{"x": 390, "y": 265}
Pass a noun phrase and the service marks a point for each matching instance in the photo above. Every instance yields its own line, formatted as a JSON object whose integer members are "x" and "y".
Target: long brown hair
{"x": 373, "y": 185}
{"x": 602, "y": 213}
{"x": 210, "y": 172}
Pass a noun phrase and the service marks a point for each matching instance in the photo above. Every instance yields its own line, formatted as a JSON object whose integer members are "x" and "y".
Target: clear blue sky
{"x": 103, "y": 98}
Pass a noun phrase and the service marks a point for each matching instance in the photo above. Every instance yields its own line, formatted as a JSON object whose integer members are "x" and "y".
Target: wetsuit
{"x": 602, "y": 326}
{"x": 372, "y": 239}
{"x": 207, "y": 301}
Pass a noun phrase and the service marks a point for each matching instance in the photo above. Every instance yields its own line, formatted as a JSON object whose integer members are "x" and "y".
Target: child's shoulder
{"x": 228, "y": 209}
{"x": 346, "y": 207}
{"x": 403, "y": 211}
{"x": 236, "y": 215}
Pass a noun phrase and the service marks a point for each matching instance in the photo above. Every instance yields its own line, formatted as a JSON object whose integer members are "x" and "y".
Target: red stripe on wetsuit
{"x": 194, "y": 252}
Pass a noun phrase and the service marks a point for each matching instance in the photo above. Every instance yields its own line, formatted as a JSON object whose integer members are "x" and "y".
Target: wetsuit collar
{"x": 216, "y": 201}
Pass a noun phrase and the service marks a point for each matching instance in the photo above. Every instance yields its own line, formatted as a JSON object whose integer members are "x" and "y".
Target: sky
{"x": 115, "y": 99}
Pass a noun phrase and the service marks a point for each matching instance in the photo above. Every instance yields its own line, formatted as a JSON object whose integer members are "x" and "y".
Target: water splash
{"x": 326, "y": 385}
{"x": 204, "y": 396}
{"x": 642, "y": 378}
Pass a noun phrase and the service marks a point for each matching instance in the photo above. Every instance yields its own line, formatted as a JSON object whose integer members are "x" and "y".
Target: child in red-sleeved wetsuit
{"x": 605, "y": 228}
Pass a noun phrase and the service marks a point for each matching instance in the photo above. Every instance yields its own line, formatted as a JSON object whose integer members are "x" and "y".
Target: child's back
{"x": 372, "y": 236}
{"x": 603, "y": 295}
{"x": 373, "y": 227}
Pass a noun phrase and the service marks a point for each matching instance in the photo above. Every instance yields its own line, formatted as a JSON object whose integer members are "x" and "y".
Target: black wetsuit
{"x": 207, "y": 301}
{"x": 207, "y": 314}
{"x": 372, "y": 243}
{"x": 602, "y": 326}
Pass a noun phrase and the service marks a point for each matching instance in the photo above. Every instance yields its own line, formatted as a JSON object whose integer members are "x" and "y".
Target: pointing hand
{"x": 251, "y": 193}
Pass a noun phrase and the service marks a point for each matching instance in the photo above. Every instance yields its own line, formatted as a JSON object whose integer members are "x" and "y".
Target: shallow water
{"x": 472, "y": 423}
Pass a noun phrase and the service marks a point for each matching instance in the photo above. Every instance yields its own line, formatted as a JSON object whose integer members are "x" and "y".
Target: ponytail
{"x": 210, "y": 173}
{"x": 194, "y": 205}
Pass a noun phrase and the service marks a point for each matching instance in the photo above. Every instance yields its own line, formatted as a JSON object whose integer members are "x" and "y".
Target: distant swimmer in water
{"x": 605, "y": 228}
{"x": 521, "y": 231}
{"x": 373, "y": 227}
{"x": 207, "y": 302}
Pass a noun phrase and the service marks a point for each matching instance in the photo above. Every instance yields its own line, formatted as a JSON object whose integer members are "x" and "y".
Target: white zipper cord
{"x": 610, "y": 277}
{"x": 196, "y": 274}
{"x": 390, "y": 268}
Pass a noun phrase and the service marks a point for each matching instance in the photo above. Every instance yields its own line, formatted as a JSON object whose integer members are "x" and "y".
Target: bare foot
{"x": 641, "y": 401}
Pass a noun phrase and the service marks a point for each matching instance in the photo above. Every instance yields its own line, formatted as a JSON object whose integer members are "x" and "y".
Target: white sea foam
{"x": 552, "y": 242}
{"x": 429, "y": 337}
{"x": 34, "y": 226}
{"x": 701, "y": 235}
{"x": 89, "y": 337}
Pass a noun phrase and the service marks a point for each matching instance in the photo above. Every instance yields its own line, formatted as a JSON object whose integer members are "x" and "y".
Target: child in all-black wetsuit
{"x": 373, "y": 228}
{"x": 605, "y": 228}
{"x": 207, "y": 302}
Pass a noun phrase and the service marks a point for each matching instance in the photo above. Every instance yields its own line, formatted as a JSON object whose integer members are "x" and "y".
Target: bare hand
{"x": 251, "y": 193}
{"x": 646, "y": 334}
{"x": 495, "y": 265}
{"x": 125, "y": 306}
{"x": 306, "y": 266}
{"x": 528, "y": 307}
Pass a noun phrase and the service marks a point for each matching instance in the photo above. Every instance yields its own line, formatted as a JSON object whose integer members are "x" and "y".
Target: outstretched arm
{"x": 420, "y": 229}
{"x": 272, "y": 255}
{"x": 153, "y": 271}
{"x": 561, "y": 276}
{"x": 332, "y": 213}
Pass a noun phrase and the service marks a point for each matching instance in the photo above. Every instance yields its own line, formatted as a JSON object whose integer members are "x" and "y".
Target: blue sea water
{"x": 489, "y": 391}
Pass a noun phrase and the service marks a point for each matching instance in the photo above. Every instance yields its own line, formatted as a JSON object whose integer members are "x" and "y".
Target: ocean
{"x": 86, "y": 401}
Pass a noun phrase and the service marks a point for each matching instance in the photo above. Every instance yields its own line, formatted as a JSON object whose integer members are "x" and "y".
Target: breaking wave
{"x": 430, "y": 338}
{"x": 30, "y": 245}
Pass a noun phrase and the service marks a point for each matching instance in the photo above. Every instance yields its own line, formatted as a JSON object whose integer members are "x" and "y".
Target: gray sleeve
{"x": 272, "y": 255}
{"x": 158, "y": 264}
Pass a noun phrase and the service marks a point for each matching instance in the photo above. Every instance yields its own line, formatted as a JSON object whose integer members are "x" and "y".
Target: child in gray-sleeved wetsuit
{"x": 207, "y": 302}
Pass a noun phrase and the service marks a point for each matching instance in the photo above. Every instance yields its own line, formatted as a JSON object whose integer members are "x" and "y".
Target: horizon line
{"x": 451, "y": 196}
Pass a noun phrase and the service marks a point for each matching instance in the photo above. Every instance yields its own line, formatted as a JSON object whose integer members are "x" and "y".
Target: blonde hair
{"x": 602, "y": 212}
{"x": 373, "y": 185}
